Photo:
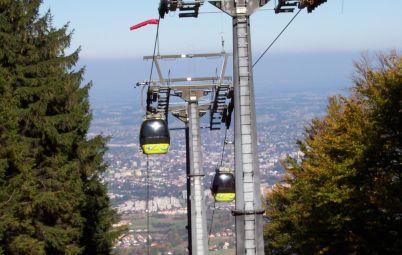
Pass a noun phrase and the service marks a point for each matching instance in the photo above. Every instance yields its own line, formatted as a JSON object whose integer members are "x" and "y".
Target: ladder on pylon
{"x": 219, "y": 106}
{"x": 163, "y": 101}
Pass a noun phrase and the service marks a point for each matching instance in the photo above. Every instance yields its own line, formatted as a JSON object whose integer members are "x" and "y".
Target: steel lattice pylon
{"x": 192, "y": 92}
{"x": 248, "y": 212}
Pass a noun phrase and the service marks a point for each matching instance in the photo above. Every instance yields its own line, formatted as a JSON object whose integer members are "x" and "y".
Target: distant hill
{"x": 115, "y": 79}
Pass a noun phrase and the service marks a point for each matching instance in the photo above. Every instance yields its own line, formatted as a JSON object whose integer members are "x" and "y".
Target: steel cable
{"x": 224, "y": 147}
{"x": 152, "y": 64}
{"x": 276, "y": 39}
{"x": 212, "y": 222}
{"x": 147, "y": 174}
{"x": 219, "y": 165}
{"x": 147, "y": 208}
{"x": 154, "y": 54}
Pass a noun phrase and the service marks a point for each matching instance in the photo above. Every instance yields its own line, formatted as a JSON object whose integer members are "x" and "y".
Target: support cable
{"x": 225, "y": 142}
{"x": 148, "y": 171}
{"x": 147, "y": 206}
{"x": 212, "y": 222}
{"x": 156, "y": 43}
{"x": 219, "y": 165}
{"x": 224, "y": 147}
{"x": 155, "y": 47}
{"x": 276, "y": 39}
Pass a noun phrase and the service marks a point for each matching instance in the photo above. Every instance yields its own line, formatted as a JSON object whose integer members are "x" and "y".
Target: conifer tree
{"x": 52, "y": 200}
{"x": 344, "y": 195}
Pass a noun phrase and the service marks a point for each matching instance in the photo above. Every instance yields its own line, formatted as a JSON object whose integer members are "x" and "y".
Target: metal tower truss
{"x": 310, "y": 4}
{"x": 286, "y": 6}
{"x": 158, "y": 98}
{"x": 193, "y": 91}
{"x": 219, "y": 107}
{"x": 188, "y": 9}
{"x": 291, "y": 5}
{"x": 191, "y": 8}
{"x": 248, "y": 212}
{"x": 161, "y": 90}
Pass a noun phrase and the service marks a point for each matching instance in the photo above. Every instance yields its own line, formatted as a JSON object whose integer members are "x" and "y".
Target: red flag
{"x": 144, "y": 23}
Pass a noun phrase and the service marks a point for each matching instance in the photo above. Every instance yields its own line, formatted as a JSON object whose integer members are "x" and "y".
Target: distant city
{"x": 281, "y": 121}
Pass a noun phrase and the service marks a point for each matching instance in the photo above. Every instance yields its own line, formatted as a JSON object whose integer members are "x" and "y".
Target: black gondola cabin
{"x": 223, "y": 187}
{"x": 154, "y": 136}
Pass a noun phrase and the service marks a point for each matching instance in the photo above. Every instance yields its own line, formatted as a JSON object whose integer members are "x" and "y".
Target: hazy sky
{"x": 316, "y": 52}
{"x": 102, "y": 27}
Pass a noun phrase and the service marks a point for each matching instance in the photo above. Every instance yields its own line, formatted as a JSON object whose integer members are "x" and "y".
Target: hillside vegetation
{"x": 344, "y": 195}
{"x": 52, "y": 200}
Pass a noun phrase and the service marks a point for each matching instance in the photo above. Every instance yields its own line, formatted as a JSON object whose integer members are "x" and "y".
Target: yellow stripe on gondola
{"x": 150, "y": 149}
{"x": 225, "y": 197}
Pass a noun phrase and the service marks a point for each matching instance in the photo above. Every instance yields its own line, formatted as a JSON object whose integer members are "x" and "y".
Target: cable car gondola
{"x": 154, "y": 136}
{"x": 223, "y": 186}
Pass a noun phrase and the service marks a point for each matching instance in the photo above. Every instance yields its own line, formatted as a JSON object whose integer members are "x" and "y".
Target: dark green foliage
{"x": 344, "y": 195}
{"x": 51, "y": 198}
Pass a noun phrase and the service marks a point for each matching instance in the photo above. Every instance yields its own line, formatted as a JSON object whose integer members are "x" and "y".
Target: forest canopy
{"x": 52, "y": 200}
{"x": 344, "y": 195}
